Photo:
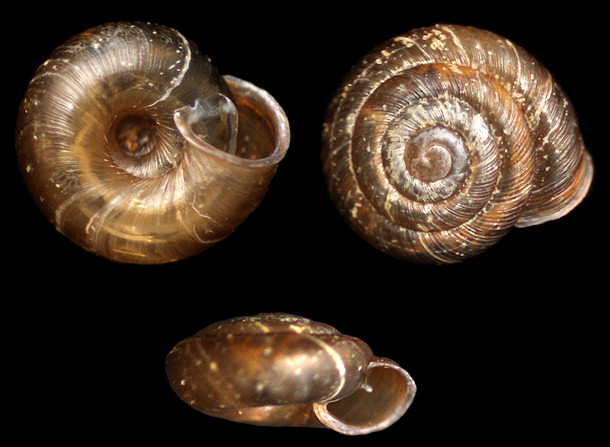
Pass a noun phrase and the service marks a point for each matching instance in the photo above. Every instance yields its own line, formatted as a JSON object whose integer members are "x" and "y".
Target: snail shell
{"x": 280, "y": 369}
{"x": 135, "y": 148}
{"x": 442, "y": 139}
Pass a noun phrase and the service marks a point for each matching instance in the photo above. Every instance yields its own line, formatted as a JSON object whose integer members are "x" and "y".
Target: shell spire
{"x": 443, "y": 138}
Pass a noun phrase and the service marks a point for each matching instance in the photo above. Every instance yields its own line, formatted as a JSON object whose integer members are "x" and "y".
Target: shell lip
{"x": 269, "y": 110}
{"x": 377, "y": 404}
{"x": 582, "y": 184}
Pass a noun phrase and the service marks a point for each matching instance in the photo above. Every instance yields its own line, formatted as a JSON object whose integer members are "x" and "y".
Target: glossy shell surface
{"x": 135, "y": 148}
{"x": 280, "y": 369}
{"x": 442, "y": 139}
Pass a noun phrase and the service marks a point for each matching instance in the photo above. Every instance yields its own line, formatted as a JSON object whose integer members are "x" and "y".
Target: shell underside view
{"x": 136, "y": 149}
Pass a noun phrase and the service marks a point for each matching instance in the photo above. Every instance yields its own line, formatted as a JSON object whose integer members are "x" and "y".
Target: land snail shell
{"x": 279, "y": 369}
{"x": 442, "y": 139}
{"x": 135, "y": 148}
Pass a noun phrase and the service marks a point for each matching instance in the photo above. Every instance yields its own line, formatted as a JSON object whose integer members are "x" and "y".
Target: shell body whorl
{"x": 442, "y": 139}
{"x": 135, "y": 148}
{"x": 280, "y": 369}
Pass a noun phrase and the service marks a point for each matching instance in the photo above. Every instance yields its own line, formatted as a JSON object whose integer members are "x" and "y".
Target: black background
{"x": 505, "y": 346}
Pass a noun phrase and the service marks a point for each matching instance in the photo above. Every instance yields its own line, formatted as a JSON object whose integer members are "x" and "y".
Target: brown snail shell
{"x": 442, "y": 139}
{"x": 282, "y": 370}
{"x": 135, "y": 148}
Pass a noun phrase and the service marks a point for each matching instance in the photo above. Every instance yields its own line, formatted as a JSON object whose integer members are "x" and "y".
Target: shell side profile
{"x": 279, "y": 369}
{"x": 135, "y": 148}
{"x": 442, "y": 139}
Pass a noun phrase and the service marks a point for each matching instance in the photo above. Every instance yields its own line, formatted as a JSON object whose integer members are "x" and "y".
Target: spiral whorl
{"x": 280, "y": 369}
{"x": 135, "y": 147}
{"x": 442, "y": 139}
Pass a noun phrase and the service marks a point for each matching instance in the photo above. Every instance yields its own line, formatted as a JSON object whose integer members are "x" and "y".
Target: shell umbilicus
{"x": 136, "y": 149}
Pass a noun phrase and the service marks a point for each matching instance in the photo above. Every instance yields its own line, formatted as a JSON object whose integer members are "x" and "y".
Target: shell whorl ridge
{"x": 442, "y": 139}
{"x": 135, "y": 148}
{"x": 283, "y": 370}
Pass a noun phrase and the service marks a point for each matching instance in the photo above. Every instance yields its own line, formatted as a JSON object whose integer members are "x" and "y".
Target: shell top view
{"x": 136, "y": 149}
{"x": 442, "y": 139}
{"x": 279, "y": 369}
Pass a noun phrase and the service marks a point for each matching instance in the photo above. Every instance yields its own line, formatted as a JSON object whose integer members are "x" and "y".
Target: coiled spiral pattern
{"x": 135, "y": 148}
{"x": 442, "y": 139}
